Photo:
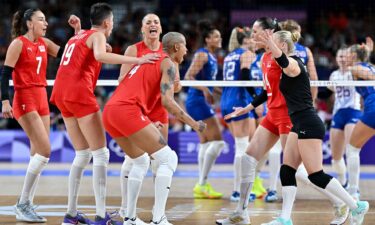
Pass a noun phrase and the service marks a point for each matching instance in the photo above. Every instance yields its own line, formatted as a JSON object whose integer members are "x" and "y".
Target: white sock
{"x": 212, "y": 152}
{"x": 33, "y": 188}
{"x": 201, "y": 153}
{"x": 125, "y": 169}
{"x": 248, "y": 165}
{"x": 136, "y": 175}
{"x": 36, "y": 165}
{"x": 100, "y": 163}
{"x": 340, "y": 168}
{"x": 302, "y": 176}
{"x": 289, "y": 195}
{"x": 335, "y": 188}
{"x": 81, "y": 160}
{"x": 274, "y": 165}
{"x": 352, "y": 158}
{"x": 240, "y": 149}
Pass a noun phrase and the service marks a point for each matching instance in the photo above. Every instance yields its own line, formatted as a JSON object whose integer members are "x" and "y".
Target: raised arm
{"x": 311, "y": 69}
{"x": 168, "y": 70}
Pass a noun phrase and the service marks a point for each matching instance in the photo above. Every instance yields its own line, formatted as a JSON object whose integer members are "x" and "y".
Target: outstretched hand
{"x": 238, "y": 111}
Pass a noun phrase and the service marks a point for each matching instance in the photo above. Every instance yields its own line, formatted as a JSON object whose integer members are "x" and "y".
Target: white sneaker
{"x": 358, "y": 214}
{"x": 236, "y": 218}
{"x": 279, "y": 221}
{"x": 25, "y": 212}
{"x": 341, "y": 214}
{"x": 162, "y": 221}
{"x": 134, "y": 221}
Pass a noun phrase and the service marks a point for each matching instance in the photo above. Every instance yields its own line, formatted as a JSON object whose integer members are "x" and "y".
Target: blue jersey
{"x": 301, "y": 52}
{"x": 366, "y": 91}
{"x": 208, "y": 72}
{"x": 256, "y": 71}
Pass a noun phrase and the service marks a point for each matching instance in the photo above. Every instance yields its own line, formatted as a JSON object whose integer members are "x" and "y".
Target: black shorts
{"x": 307, "y": 125}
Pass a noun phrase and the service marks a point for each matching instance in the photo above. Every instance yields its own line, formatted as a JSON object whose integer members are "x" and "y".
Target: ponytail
{"x": 19, "y": 25}
{"x": 237, "y": 36}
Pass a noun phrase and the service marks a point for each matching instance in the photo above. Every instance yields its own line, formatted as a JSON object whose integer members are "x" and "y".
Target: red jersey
{"x": 142, "y": 49}
{"x": 78, "y": 71}
{"x": 141, "y": 86}
{"x": 30, "y": 69}
{"x": 271, "y": 77}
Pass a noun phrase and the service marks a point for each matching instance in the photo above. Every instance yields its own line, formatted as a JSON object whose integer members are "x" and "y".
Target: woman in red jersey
{"x": 73, "y": 94}
{"x": 26, "y": 63}
{"x": 126, "y": 119}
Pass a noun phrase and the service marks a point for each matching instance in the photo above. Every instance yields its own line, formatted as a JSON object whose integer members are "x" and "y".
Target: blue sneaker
{"x": 107, "y": 220}
{"x": 235, "y": 197}
{"x": 271, "y": 196}
{"x": 357, "y": 215}
{"x": 279, "y": 221}
{"x": 79, "y": 219}
{"x": 252, "y": 197}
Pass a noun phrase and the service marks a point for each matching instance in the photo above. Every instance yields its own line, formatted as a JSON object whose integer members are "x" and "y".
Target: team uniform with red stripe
{"x": 134, "y": 100}
{"x": 29, "y": 77}
{"x": 73, "y": 91}
{"x": 277, "y": 119}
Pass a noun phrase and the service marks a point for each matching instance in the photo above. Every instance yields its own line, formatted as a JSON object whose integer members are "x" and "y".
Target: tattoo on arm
{"x": 171, "y": 73}
{"x": 164, "y": 87}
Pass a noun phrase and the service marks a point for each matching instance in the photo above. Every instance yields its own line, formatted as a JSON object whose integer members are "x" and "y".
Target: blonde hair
{"x": 237, "y": 36}
{"x": 288, "y": 37}
{"x": 362, "y": 52}
{"x": 290, "y": 25}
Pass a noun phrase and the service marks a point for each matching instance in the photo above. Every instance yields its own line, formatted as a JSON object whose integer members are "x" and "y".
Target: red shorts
{"x": 124, "y": 120}
{"x": 76, "y": 109}
{"x": 278, "y": 126}
{"x": 160, "y": 114}
{"x": 30, "y": 99}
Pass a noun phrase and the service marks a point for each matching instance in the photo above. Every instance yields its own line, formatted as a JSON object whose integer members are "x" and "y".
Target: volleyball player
{"x": 126, "y": 119}
{"x": 73, "y": 94}
{"x": 26, "y": 63}
{"x": 198, "y": 105}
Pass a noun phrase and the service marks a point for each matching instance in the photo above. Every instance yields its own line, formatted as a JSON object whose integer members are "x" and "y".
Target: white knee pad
{"x": 215, "y": 148}
{"x": 248, "y": 165}
{"x": 302, "y": 176}
{"x": 352, "y": 152}
{"x": 240, "y": 146}
{"x": 140, "y": 167}
{"x": 127, "y": 165}
{"x": 37, "y": 163}
{"x": 202, "y": 150}
{"x": 154, "y": 166}
{"x": 101, "y": 157}
{"x": 82, "y": 158}
{"x": 167, "y": 160}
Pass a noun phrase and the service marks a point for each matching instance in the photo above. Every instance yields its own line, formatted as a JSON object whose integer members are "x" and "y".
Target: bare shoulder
{"x": 131, "y": 50}
{"x": 167, "y": 64}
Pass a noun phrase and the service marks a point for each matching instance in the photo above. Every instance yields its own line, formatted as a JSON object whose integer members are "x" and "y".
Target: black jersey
{"x": 296, "y": 90}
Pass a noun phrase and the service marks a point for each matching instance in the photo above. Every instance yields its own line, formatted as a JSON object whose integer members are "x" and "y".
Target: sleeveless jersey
{"x": 78, "y": 71}
{"x": 271, "y": 77}
{"x": 345, "y": 97}
{"x": 301, "y": 52}
{"x": 208, "y": 72}
{"x": 232, "y": 71}
{"x": 30, "y": 69}
{"x": 256, "y": 71}
{"x": 366, "y": 91}
{"x": 142, "y": 49}
{"x": 141, "y": 87}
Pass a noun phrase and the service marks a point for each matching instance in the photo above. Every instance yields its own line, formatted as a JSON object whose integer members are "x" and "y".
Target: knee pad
{"x": 352, "y": 152}
{"x": 288, "y": 176}
{"x": 320, "y": 179}
{"x": 127, "y": 164}
{"x": 240, "y": 146}
{"x": 82, "y": 158}
{"x": 215, "y": 148}
{"x": 167, "y": 160}
{"x": 248, "y": 165}
{"x": 101, "y": 157}
{"x": 202, "y": 150}
{"x": 37, "y": 163}
{"x": 140, "y": 167}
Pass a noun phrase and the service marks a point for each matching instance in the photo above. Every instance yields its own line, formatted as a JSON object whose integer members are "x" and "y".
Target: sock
{"x": 274, "y": 165}
{"x": 340, "y": 168}
{"x": 125, "y": 169}
{"x": 240, "y": 149}
{"x": 36, "y": 165}
{"x": 100, "y": 163}
{"x": 136, "y": 175}
{"x": 335, "y": 188}
{"x": 289, "y": 195}
{"x": 352, "y": 158}
{"x": 81, "y": 160}
{"x": 212, "y": 152}
{"x": 33, "y": 188}
{"x": 248, "y": 165}
{"x": 201, "y": 153}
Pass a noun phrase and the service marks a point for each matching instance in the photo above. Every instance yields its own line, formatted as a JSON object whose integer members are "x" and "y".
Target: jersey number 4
{"x": 65, "y": 59}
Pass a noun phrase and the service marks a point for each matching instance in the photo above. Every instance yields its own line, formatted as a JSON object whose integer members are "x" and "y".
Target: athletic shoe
{"x": 235, "y": 197}
{"x": 258, "y": 188}
{"x": 79, "y": 219}
{"x": 134, "y": 221}
{"x": 279, "y": 221}
{"x": 236, "y": 218}
{"x": 252, "y": 197}
{"x": 162, "y": 221}
{"x": 341, "y": 214}
{"x": 206, "y": 191}
{"x": 25, "y": 212}
{"x": 107, "y": 220}
{"x": 357, "y": 215}
{"x": 271, "y": 196}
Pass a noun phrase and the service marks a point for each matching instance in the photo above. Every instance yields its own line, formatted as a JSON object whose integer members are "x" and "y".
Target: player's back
{"x": 301, "y": 52}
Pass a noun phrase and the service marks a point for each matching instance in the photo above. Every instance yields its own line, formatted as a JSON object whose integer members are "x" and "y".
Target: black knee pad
{"x": 320, "y": 179}
{"x": 288, "y": 176}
